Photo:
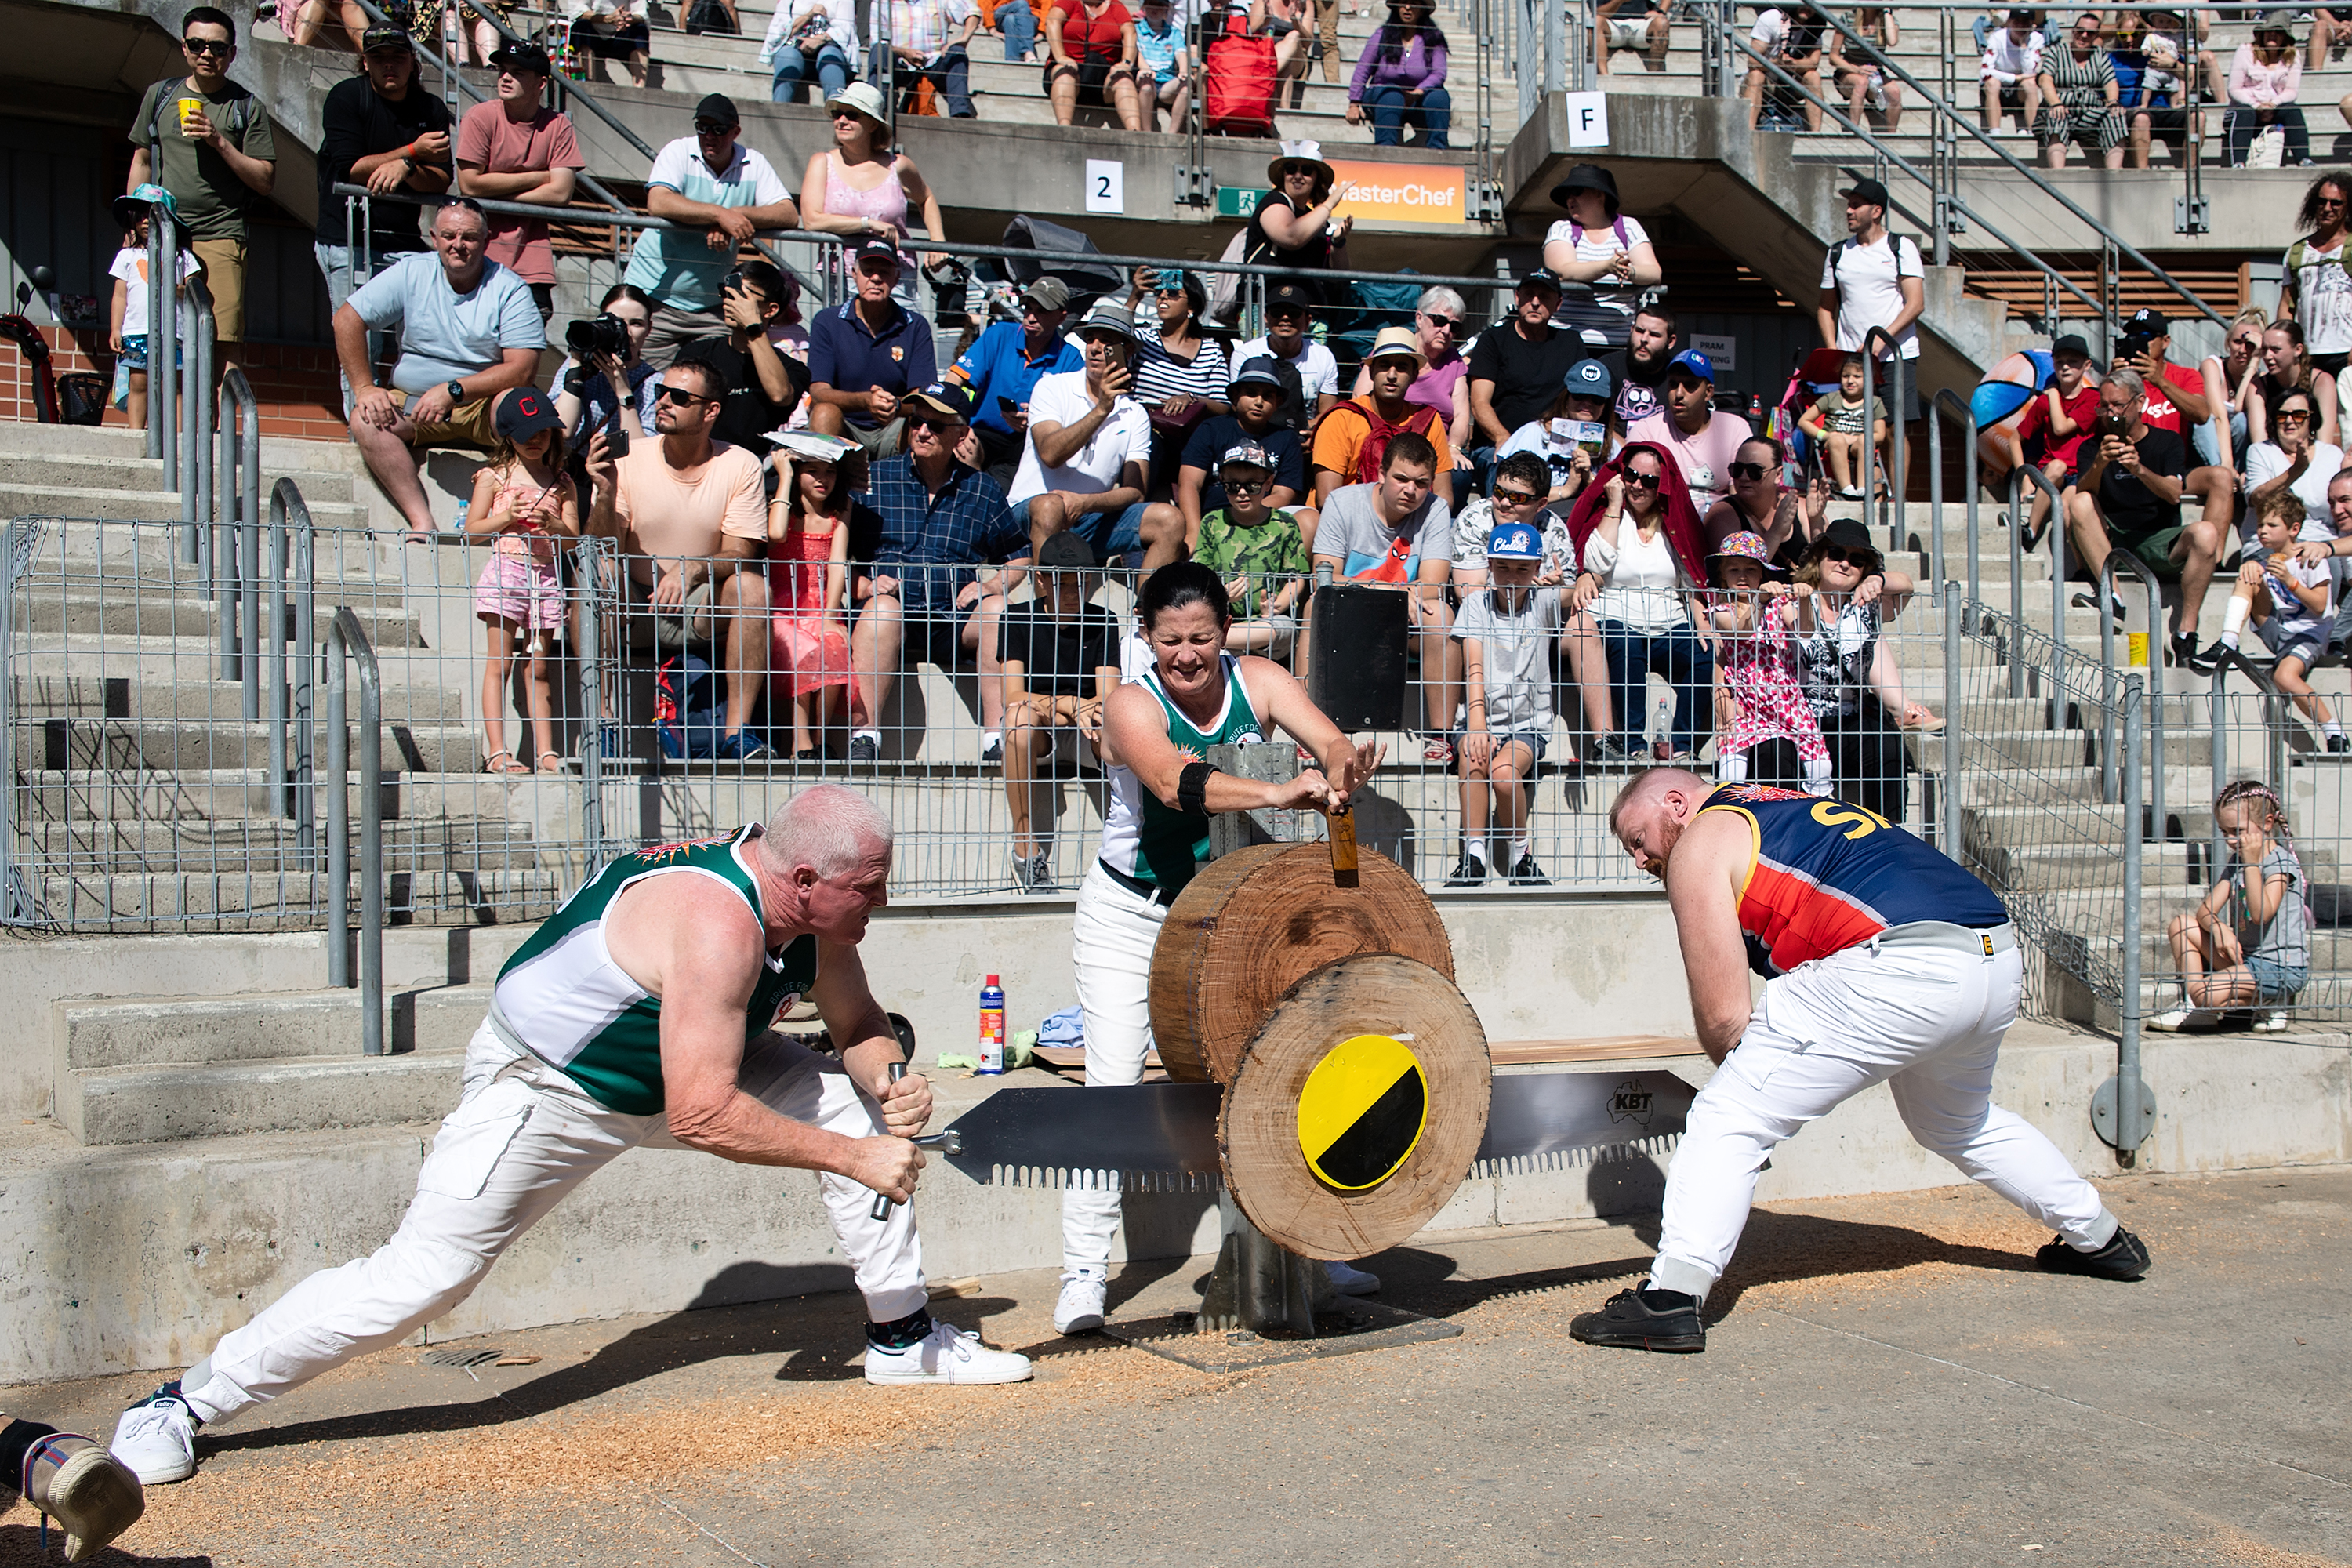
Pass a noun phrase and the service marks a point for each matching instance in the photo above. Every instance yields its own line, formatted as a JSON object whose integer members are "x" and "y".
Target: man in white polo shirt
{"x": 1089, "y": 445}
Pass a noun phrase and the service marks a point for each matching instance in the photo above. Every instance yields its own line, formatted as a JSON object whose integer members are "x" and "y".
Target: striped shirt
{"x": 1161, "y": 376}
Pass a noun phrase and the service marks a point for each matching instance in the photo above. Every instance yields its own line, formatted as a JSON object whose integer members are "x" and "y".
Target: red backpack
{"x": 1238, "y": 98}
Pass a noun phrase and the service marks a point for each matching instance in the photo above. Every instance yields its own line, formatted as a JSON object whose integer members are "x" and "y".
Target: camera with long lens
{"x": 603, "y": 334}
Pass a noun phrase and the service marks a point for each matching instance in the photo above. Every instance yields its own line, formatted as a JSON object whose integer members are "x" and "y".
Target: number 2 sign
{"x": 1106, "y": 186}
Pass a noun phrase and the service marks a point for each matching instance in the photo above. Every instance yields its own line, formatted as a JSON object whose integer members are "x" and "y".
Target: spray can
{"x": 1661, "y": 733}
{"x": 992, "y": 1028}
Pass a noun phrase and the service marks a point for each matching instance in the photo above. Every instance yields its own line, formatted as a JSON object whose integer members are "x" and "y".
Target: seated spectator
{"x": 1257, "y": 548}
{"x": 1843, "y": 427}
{"x": 1439, "y": 323}
{"x": 1849, "y": 672}
{"x": 1293, "y": 224}
{"x": 1396, "y": 532}
{"x": 1631, "y": 24}
{"x": 2009, "y": 73}
{"x": 1287, "y": 343}
{"x": 1765, "y": 730}
{"x": 1505, "y": 635}
{"x": 1650, "y": 345}
{"x": 932, "y": 42}
{"x": 2336, "y": 544}
{"x": 516, "y": 149}
{"x": 1517, "y": 367}
{"x": 523, "y": 501}
{"x": 2175, "y": 402}
{"x": 810, "y": 524}
{"x": 1017, "y": 23}
{"x": 1180, "y": 375}
{"x": 1573, "y": 434}
{"x": 2248, "y": 942}
{"x": 1702, "y": 438}
{"x": 711, "y": 182}
{"x": 865, "y": 356}
{"x": 1637, "y": 584}
{"x": 310, "y": 17}
{"x": 2287, "y": 366}
{"x": 1089, "y": 445}
{"x": 613, "y": 30}
{"x": 1761, "y": 503}
{"x": 2291, "y": 601}
{"x": 2265, "y": 77}
{"x": 468, "y": 331}
{"x": 1166, "y": 67}
{"x": 1596, "y": 244}
{"x": 2158, "y": 109}
{"x": 469, "y": 26}
{"x": 1172, "y": 530}
{"x": 690, "y": 517}
{"x": 1284, "y": 21}
{"x": 2128, "y": 497}
{"x": 763, "y": 383}
{"x": 1518, "y": 497}
{"x": 1003, "y": 366}
{"x": 1350, "y": 439}
{"x": 1861, "y": 67}
{"x": 810, "y": 40}
{"x": 2051, "y": 432}
{"x": 2233, "y": 385}
{"x": 2297, "y": 461}
{"x": 940, "y": 517}
{"x": 600, "y": 385}
{"x": 1399, "y": 79}
{"x": 2079, "y": 99}
{"x": 1090, "y": 57}
{"x": 1057, "y": 655}
{"x": 1790, "y": 38}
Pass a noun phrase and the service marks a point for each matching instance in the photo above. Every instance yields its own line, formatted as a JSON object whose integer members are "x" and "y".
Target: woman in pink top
{"x": 2263, "y": 80}
{"x": 1439, "y": 326}
{"x": 857, "y": 187}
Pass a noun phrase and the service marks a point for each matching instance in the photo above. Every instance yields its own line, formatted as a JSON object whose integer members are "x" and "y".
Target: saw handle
{"x": 881, "y": 1205}
{"x": 1343, "y": 849}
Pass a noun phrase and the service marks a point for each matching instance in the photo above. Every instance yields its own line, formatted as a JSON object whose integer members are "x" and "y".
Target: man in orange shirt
{"x": 1350, "y": 439}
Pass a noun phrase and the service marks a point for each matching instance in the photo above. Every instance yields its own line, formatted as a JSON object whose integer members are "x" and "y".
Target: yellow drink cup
{"x": 189, "y": 109}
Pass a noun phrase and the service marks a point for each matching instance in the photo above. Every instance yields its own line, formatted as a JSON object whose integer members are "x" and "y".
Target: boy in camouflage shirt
{"x": 1259, "y": 551}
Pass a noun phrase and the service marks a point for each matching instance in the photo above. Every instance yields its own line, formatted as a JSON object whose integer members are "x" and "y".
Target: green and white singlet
{"x": 563, "y": 999}
{"x": 1157, "y": 845}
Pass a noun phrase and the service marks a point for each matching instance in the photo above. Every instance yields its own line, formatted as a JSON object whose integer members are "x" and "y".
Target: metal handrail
{"x": 291, "y": 700}
{"x": 1895, "y": 426}
{"x": 347, "y": 641}
{"x": 1949, "y": 593}
{"x": 236, "y": 535}
{"x": 2273, "y": 726}
{"x": 1947, "y": 399}
{"x": 2130, "y": 1129}
{"x": 2018, "y": 478}
{"x": 2106, "y": 585}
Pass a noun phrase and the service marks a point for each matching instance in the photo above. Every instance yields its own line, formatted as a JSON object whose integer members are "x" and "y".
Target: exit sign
{"x": 1237, "y": 201}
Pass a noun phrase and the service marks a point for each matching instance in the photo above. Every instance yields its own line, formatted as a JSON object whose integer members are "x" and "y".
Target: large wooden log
{"x": 1356, "y": 1111}
{"x": 1252, "y": 923}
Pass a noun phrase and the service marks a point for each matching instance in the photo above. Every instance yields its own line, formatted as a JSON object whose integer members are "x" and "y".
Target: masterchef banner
{"x": 1403, "y": 193}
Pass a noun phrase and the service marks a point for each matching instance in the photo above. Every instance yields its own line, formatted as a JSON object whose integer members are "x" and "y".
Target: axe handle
{"x": 1343, "y": 849}
{"x": 881, "y": 1205}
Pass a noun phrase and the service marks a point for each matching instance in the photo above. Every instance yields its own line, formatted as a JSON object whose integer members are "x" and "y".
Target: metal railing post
{"x": 289, "y": 525}
{"x": 1952, "y": 793}
{"x": 347, "y": 641}
{"x": 2132, "y": 1126}
{"x": 198, "y": 478}
{"x": 2016, "y": 579}
{"x": 2107, "y": 572}
{"x": 159, "y": 224}
{"x": 596, "y": 567}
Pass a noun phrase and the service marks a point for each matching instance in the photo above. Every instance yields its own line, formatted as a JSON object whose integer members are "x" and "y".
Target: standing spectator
{"x": 1596, "y": 244}
{"x": 1396, "y": 532}
{"x": 1168, "y": 62}
{"x": 1506, "y": 635}
{"x": 2175, "y": 402}
{"x": 516, "y": 149}
{"x": 1516, "y": 368}
{"x": 468, "y": 331}
{"x": 2009, "y": 73}
{"x": 2317, "y": 291}
{"x": 861, "y": 190}
{"x": 128, "y": 333}
{"x": 809, "y": 528}
{"x": 380, "y": 129}
{"x": 865, "y": 356}
{"x": 2297, "y": 461}
{"x": 601, "y": 386}
{"x": 1351, "y": 438}
{"x": 1766, "y": 732}
{"x": 1861, "y": 66}
{"x": 2265, "y": 77}
{"x": 614, "y": 30}
{"x": 1090, "y": 57}
{"x": 526, "y": 504}
{"x": 1874, "y": 279}
{"x": 762, "y": 383}
{"x": 1849, "y": 672}
{"x": 1650, "y": 349}
{"x": 939, "y": 519}
{"x": 711, "y": 182}
{"x": 1294, "y": 225}
{"x": 1704, "y": 440}
{"x": 216, "y": 157}
{"x": 1636, "y": 581}
{"x": 1180, "y": 375}
{"x": 1400, "y": 78}
{"x": 2080, "y": 98}
{"x": 1631, "y": 24}
{"x": 1001, "y": 367}
{"x": 1089, "y": 445}
{"x": 1287, "y": 343}
{"x": 1256, "y": 395}
{"x": 930, "y": 41}
{"x": 690, "y": 516}
{"x": 1439, "y": 320}
{"x": 1058, "y": 656}
{"x": 1790, "y": 38}
{"x": 1572, "y": 436}
{"x": 810, "y": 40}
{"x": 2285, "y": 365}
{"x": 1761, "y": 504}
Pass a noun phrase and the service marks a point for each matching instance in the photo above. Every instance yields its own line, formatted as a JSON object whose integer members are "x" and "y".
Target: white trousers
{"x": 1110, "y": 947}
{"x": 1928, "y": 1020}
{"x": 522, "y": 1137}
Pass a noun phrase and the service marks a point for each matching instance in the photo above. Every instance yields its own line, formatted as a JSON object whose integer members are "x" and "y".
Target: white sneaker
{"x": 2273, "y": 1021}
{"x": 946, "y": 1354}
{"x": 1080, "y": 1306}
{"x": 157, "y": 1439}
{"x": 2181, "y": 1018}
{"x": 1349, "y": 1280}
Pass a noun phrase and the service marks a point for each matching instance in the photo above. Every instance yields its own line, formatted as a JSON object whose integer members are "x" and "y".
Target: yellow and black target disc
{"x": 1361, "y": 1111}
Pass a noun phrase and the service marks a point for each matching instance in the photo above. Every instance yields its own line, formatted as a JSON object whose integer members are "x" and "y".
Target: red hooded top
{"x": 1682, "y": 528}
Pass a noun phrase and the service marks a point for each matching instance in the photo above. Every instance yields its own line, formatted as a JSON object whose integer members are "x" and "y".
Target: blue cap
{"x": 1589, "y": 378}
{"x": 1691, "y": 360}
{"x": 1514, "y": 541}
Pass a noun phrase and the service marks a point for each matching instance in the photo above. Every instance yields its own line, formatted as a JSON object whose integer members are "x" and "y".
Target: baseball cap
{"x": 875, "y": 249}
{"x": 718, "y": 108}
{"x": 953, "y": 398}
{"x": 1246, "y": 455}
{"x": 1256, "y": 371}
{"x": 1394, "y": 342}
{"x": 1107, "y": 315}
{"x": 2147, "y": 322}
{"x": 524, "y": 413}
{"x": 2072, "y": 344}
{"x": 1589, "y": 378}
{"x": 1514, "y": 541}
{"x": 386, "y": 38}
{"x": 1283, "y": 294}
{"x": 521, "y": 57}
{"x": 1047, "y": 294}
{"x": 1870, "y": 191}
{"x": 1693, "y": 363}
{"x": 1065, "y": 550}
{"x": 1542, "y": 277}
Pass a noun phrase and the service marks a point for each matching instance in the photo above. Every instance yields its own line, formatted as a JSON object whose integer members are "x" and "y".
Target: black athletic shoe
{"x": 1528, "y": 874}
{"x": 1469, "y": 872}
{"x": 1644, "y": 1319}
{"x": 2124, "y": 1256}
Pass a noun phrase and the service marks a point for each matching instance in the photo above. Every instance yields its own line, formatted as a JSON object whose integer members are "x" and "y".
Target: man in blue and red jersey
{"x": 1882, "y": 959}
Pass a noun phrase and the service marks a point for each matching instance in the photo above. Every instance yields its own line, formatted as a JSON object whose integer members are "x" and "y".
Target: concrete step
{"x": 35, "y": 698}
{"x": 21, "y": 498}
{"x": 134, "y": 902}
{"x": 186, "y": 1031}
{"x": 158, "y": 744}
{"x": 262, "y": 846}
{"x": 229, "y": 794}
{"x": 210, "y": 1099}
{"x": 75, "y": 610}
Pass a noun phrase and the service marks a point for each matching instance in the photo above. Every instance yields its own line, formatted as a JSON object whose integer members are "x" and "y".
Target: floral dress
{"x": 1760, "y": 668}
{"x": 809, "y": 651}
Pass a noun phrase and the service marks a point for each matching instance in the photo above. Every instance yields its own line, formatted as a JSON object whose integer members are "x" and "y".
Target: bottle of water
{"x": 991, "y": 1027}
{"x": 463, "y": 508}
{"x": 1661, "y": 731}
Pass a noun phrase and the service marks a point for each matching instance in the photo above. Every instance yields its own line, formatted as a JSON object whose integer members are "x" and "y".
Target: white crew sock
{"x": 873, "y": 735}
{"x": 1522, "y": 846}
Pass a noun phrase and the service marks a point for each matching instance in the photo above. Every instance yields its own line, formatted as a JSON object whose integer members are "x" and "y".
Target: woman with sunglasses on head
{"x": 2232, "y": 383}
{"x": 2317, "y": 291}
{"x": 1441, "y": 325}
{"x": 1641, "y": 557}
{"x": 859, "y": 188}
{"x": 1849, "y": 672}
{"x": 1761, "y": 504}
{"x": 1180, "y": 374}
{"x": 2285, "y": 368}
{"x": 2264, "y": 76}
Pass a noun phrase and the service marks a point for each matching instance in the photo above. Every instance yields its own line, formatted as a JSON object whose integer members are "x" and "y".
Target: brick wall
{"x": 296, "y": 385}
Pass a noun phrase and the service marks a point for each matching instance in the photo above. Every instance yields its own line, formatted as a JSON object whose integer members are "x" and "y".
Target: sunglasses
{"x": 716, "y": 128}
{"x": 2324, "y": 203}
{"x": 220, "y": 46}
{"x": 1746, "y": 471}
{"x": 1170, "y": 291}
{"x": 2294, "y": 416}
{"x": 1241, "y": 487}
{"x": 1451, "y": 324}
{"x": 393, "y": 56}
{"x": 1840, "y": 554}
{"x": 1645, "y": 481}
{"x": 680, "y": 395}
{"x": 940, "y": 423}
{"x": 1501, "y": 497}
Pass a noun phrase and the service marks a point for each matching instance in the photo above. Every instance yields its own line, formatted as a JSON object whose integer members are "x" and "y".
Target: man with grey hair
{"x": 2127, "y": 497}
{"x": 640, "y": 1015}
